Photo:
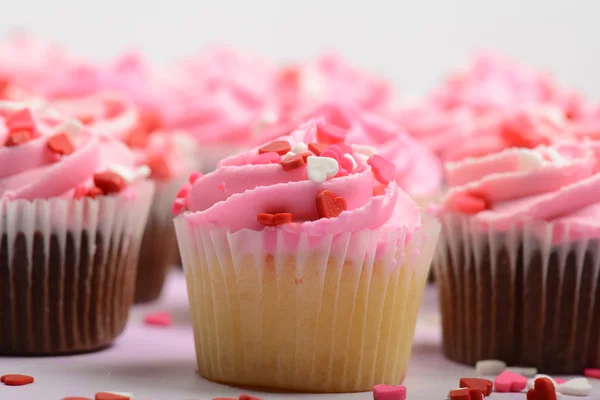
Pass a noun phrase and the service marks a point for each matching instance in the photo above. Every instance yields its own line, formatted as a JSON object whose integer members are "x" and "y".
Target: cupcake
{"x": 517, "y": 263}
{"x": 71, "y": 231}
{"x": 304, "y": 271}
{"x": 171, "y": 157}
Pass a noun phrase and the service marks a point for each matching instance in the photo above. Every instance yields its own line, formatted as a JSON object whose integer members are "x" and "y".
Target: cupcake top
{"x": 310, "y": 182}
{"x": 44, "y": 155}
{"x": 418, "y": 170}
{"x": 557, "y": 184}
{"x": 167, "y": 153}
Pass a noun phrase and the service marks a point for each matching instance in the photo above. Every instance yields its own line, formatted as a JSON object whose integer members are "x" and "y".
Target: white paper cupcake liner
{"x": 67, "y": 270}
{"x": 526, "y": 294}
{"x": 332, "y": 314}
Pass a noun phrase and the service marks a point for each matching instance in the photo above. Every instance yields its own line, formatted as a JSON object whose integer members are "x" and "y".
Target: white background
{"x": 413, "y": 43}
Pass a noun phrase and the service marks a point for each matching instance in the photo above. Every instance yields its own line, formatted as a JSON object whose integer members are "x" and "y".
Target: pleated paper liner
{"x": 527, "y": 295}
{"x": 67, "y": 271}
{"x": 314, "y": 314}
{"x": 159, "y": 247}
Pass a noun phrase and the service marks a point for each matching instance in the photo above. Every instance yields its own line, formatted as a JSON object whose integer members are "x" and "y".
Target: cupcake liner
{"x": 67, "y": 270}
{"x": 524, "y": 294}
{"x": 316, "y": 314}
{"x": 159, "y": 246}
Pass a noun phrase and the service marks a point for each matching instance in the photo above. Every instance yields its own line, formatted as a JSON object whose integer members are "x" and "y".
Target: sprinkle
{"x": 279, "y": 146}
{"x": 61, "y": 144}
{"x": 321, "y": 168}
{"x": 543, "y": 390}
{"x": 158, "y": 319}
{"x": 300, "y": 147}
{"x": 149, "y": 120}
{"x": 510, "y": 382}
{"x": 387, "y": 392}
{"x": 317, "y": 148}
{"x": 353, "y": 163}
{"x": 531, "y": 382}
{"x": 469, "y": 203}
{"x": 194, "y": 177}
{"x": 484, "y": 385}
{"x": 525, "y": 371}
{"x": 575, "y": 387}
{"x": 364, "y": 150}
{"x": 330, "y": 134}
{"x": 80, "y": 191}
{"x": 293, "y": 162}
{"x": 465, "y": 394}
{"x": 178, "y": 206}
{"x": 329, "y": 206}
{"x": 183, "y": 192}
{"x": 109, "y": 182}
{"x": 159, "y": 167}
{"x": 305, "y": 155}
{"x": 93, "y": 192}
{"x": 383, "y": 170}
{"x": 110, "y": 396}
{"x": 137, "y": 138}
{"x": 16, "y": 379}
{"x": 16, "y": 138}
{"x": 248, "y": 397}
{"x": 592, "y": 373}
{"x": 20, "y": 120}
{"x": 490, "y": 367}
{"x": 274, "y": 219}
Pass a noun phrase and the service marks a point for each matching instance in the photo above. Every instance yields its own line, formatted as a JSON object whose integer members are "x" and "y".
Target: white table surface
{"x": 158, "y": 363}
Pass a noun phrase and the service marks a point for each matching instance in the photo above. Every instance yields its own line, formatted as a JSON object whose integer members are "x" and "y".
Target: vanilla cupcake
{"x": 170, "y": 155}
{"x": 71, "y": 230}
{"x": 305, "y": 265}
{"x": 517, "y": 263}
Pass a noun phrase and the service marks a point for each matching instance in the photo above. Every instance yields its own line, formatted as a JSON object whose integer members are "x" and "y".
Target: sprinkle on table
{"x": 16, "y": 379}
{"x": 158, "y": 319}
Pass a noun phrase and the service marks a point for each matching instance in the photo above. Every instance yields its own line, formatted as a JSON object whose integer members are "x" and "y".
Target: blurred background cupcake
{"x": 71, "y": 226}
{"x": 305, "y": 265}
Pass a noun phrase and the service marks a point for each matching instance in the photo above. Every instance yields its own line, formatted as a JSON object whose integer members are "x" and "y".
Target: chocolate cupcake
{"x": 70, "y": 232}
{"x": 518, "y": 260}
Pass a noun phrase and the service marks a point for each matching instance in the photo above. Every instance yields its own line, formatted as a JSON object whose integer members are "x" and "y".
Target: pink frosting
{"x": 234, "y": 194}
{"x": 555, "y": 184}
{"x": 32, "y": 171}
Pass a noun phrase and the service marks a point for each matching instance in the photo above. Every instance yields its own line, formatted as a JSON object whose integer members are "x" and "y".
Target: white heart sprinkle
{"x": 531, "y": 382}
{"x": 575, "y": 387}
{"x": 142, "y": 172}
{"x": 490, "y": 367}
{"x": 299, "y": 148}
{"x": 364, "y": 150}
{"x": 319, "y": 169}
{"x": 352, "y": 160}
{"x": 128, "y": 174}
{"x": 525, "y": 371}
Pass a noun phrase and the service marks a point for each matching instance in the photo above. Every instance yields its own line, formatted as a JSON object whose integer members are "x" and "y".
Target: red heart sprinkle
{"x": 592, "y": 373}
{"x": 248, "y": 397}
{"x": 485, "y": 385}
{"x": 330, "y": 134}
{"x": 316, "y": 148}
{"x": 384, "y": 171}
{"x": 158, "y": 167}
{"x": 93, "y": 192}
{"x": 16, "y": 379}
{"x": 61, "y": 144}
{"x": 158, "y": 319}
{"x": 329, "y": 206}
{"x": 470, "y": 203}
{"x": 305, "y": 155}
{"x": 280, "y": 147}
{"x": 109, "y": 396}
{"x": 178, "y": 206}
{"x": 466, "y": 394}
{"x": 274, "y": 219}
{"x": 109, "y": 182}
{"x": 16, "y": 138}
{"x": 543, "y": 389}
{"x": 293, "y": 162}
{"x": 20, "y": 120}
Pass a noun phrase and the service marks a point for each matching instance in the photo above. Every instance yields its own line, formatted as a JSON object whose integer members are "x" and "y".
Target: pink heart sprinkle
{"x": 194, "y": 177}
{"x": 508, "y": 381}
{"x": 183, "y": 192}
{"x": 341, "y": 172}
{"x": 158, "y": 319}
{"x": 178, "y": 206}
{"x": 387, "y": 392}
{"x": 384, "y": 171}
{"x": 330, "y": 154}
{"x": 592, "y": 373}
{"x": 559, "y": 380}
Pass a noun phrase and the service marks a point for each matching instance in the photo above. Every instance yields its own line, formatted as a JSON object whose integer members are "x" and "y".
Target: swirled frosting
{"x": 40, "y": 167}
{"x": 249, "y": 184}
{"x": 555, "y": 183}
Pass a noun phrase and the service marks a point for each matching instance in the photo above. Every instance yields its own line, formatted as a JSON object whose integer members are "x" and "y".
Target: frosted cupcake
{"x": 71, "y": 231}
{"x": 169, "y": 155}
{"x": 517, "y": 264}
{"x": 305, "y": 265}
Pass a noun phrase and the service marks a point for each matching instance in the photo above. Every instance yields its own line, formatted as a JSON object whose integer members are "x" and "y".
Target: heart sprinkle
{"x": 20, "y": 120}
{"x": 575, "y": 387}
{"x": 490, "y": 367}
{"x": 109, "y": 182}
{"x": 484, "y": 385}
{"x": 384, "y": 171}
{"x": 280, "y": 147}
{"x": 194, "y": 177}
{"x": 321, "y": 168}
{"x": 543, "y": 390}
{"x": 109, "y": 396}
{"x": 16, "y": 138}
{"x": 293, "y": 162}
{"x": 61, "y": 144}
{"x": 316, "y": 148}
{"x": 330, "y": 134}
{"x": 158, "y": 167}
{"x": 158, "y": 319}
{"x": 466, "y": 394}
{"x": 592, "y": 373}
{"x": 387, "y": 392}
{"x": 510, "y": 382}
{"x": 525, "y": 371}
{"x": 274, "y": 219}
{"x": 329, "y": 206}
{"x": 16, "y": 379}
